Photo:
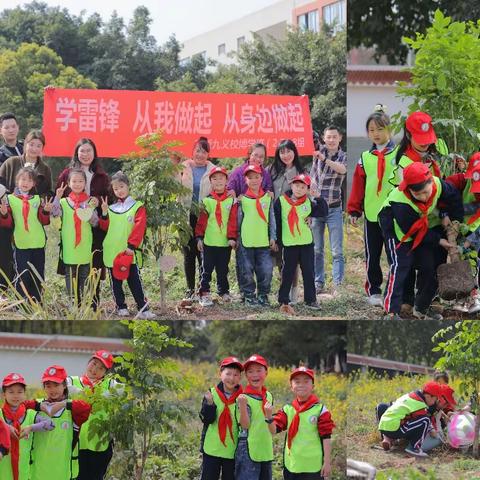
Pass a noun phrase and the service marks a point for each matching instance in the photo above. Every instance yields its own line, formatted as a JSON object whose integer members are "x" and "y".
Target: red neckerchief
{"x": 299, "y": 408}
{"x": 25, "y": 209}
{"x": 218, "y": 208}
{"x": 420, "y": 227}
{"x": 292, "y": 214}
{"x": 257, "y": 198}
{"x": 86, "y": 381}
{"x": 225, "y": 418}
{"x": 14, "y": 417}
{"x": 77, "y": 199}
{"x": 413, "y": 155}
{"x": 380, "y": 167}
{"x": 249, "y": 390}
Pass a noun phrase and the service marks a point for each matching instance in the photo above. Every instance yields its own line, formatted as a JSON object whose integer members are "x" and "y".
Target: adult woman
{"x": 98, "y": 186}
{"x": 195, "y": 178}
{"x": 256, "y": 156}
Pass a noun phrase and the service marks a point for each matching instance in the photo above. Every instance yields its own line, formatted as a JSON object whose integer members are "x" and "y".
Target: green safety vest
{"x": 259, "y": 440}
{"x": 305, "y": 236}
{"x": 306, "y": 454}
{"x": 254, "y": 232}
{"x": 469, "y": 197}
{"x": 119, "y": 229}
{"x": 52, "y": 454}
{"x": 212, "y": 444}
{"x": 6, "y": 472}
{"x": 402, "y": 407}
{"x": 399, "y": 197}
{"x": 216, "y": 236}
{"x": 372, "y": 203}
{"x": 71, "y": 254}
{"x": 97, "y": 443}
{"x": 35, "y": 237}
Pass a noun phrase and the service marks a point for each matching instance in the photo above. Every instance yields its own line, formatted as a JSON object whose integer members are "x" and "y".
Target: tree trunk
{"x": 477, "y": 430}
{"x": 163, "y": 289}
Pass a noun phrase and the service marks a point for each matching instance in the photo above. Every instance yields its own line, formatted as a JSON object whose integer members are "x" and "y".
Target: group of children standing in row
{"x": 51, "y": 437}
{"x": 408, "y": 204}
{"x": 239, "y": 424}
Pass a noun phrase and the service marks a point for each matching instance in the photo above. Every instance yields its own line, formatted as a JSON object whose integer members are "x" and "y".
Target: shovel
{"x": 455, "y": 279}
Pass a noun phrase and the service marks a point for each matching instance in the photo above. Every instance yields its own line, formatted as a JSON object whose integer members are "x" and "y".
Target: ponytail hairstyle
{"x": 120, "y": 177}
{"x": 379, "y": 116}
{"x": 202, "y": 142}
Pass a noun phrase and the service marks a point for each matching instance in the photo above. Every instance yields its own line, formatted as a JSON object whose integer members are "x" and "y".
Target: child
{"x": 21, "y": 421}
{"x": 441, "y": 378}
{"x": 309, "y": 425}
{"x": 408, "y": 417}
{"x": 220, "y": 429}
{"x": 370, "y": 188}
{"x": 94, "y": 453}
{"x": 257, "y": 236}
{"x": 292, "y": 210}
{"x": 216, "y": 232}
{"x": 27, "y": 214}
{"x": 412, "y": 228}
{"x": 254, "y": 454}
{"x": 62, "y": 441}
{"x": 78, "y": 217}
{"x": 125, "y": 223}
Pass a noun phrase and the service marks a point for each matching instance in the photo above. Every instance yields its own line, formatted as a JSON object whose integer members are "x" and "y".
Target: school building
{"x": 221, "y": 43}
{"x": 31, "y": 354}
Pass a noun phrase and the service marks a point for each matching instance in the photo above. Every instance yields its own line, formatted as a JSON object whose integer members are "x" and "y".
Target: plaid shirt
{"x": 326, "y": 180}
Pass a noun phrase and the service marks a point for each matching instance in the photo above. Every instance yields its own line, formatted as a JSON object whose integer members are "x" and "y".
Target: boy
{"x": 20, "y": 421}
{"x": 292, "y": 211}
{"x": 409, "y": 417}
{"x": 220, "y": 428}
{"x": 254, "y": 455}
{"x": 216, "y": 232}
{"x": 412, "y": 226}
{"x": 309, "y": 424}
{"x": 257, "y": 236}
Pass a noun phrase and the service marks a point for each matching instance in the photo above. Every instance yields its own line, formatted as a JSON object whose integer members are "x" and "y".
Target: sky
{"x": 169, "y": 16}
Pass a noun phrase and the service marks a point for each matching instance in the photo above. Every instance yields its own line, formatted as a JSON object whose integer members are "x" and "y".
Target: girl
{"x": 78, "y": 217}
{"x": 27, "y": 214}
{"x": 95, "y": 453}
{"x": 257, "y": 154}
{"x": 62, "y": 441}
{"x": 370, "y": 188}
{"x": 125, "y": 223}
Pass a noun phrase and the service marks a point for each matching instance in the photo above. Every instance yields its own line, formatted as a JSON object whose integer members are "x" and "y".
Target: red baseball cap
{"x": 302, "y": 178}
{"x": 419, "y": 124}
{"x": 218, "y": 170}
{"x": 433, "y": 388}
{"x": 473, "y": 161}
{"x": 416, "y": 172}
{"x": 304, "y": 370}
{"x": 231, "y": 361}
{"x": 255, "y": 359}
{"x": 105, "y": 357}
{"x": 475, "y": 176}
{"x": 447, "y": 394}
{"x": 12, "y": 379}
{"x": 55, "y": 373}
{"x": 121, "y": 266}
{"x": 253, "y": 168}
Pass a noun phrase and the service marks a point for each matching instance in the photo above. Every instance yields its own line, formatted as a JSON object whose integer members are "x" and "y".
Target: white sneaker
{"x": 146, "y": 315}
{"x": 206, "y": 300}
{"x": 375, "y": 300}
{"x": 293, "y": 295}
{"x": 122, "y": 312}
{"x": 474, "y": 306}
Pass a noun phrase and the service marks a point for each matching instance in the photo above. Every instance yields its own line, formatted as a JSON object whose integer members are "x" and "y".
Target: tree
{"x": 381, "y": 24}
{"x": 154, "y": 182}
{"x": 461, "y": 356}
{"x": 445, "y": 80}
{"x": 25, "y": 72}
{"x": 145, "y": 406}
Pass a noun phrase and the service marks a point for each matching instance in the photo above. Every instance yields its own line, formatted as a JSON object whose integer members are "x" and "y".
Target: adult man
{"x": 9, "y": 131}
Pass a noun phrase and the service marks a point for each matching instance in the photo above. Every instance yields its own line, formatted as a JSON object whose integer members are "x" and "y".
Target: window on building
{"x": 240, "y": 42}
{"x": 309, "y": 21}
{"x": 221, "y": 49}
{"x": 335, "y": 14}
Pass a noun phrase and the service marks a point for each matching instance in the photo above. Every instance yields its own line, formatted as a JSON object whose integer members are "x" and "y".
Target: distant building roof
{"x": 60, "y": 343}
{"x": 377, "y": 75}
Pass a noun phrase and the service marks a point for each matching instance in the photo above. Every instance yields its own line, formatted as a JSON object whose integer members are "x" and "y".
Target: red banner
{"x": 113, "y": 119}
